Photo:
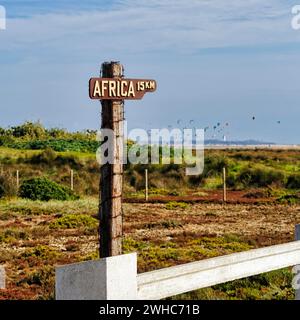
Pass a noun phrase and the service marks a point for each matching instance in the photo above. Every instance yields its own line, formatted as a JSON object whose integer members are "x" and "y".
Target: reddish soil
{"x": 215, "y": 196}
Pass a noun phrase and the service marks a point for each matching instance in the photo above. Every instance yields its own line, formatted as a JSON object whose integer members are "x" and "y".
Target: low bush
{"x": 288, "y": 199}
{"x": 214, "y": 164}
{"x": 72, "y": 221}
{"x": 44, "y": 189}
{"x": 41, "y": 252}
{"x": 264, "y": 193}
{"x": 159, "y": 191}
{"x": 8, "y": 186}
{"x": 47, "y": 156}
{"x": 176, "y": 205}
{"x": 293, "y": 181}
{"x": 256, "y": 177}
{"x": 11, "y": 235}
{"x": 43, "y": 277}
{"x": 168, "y": 224}
{"x": 59, "y": 145}
{"x": 195, "y": 180}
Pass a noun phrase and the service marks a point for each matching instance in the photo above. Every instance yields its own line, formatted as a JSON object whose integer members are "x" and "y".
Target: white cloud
{"x": 141, "y": 26}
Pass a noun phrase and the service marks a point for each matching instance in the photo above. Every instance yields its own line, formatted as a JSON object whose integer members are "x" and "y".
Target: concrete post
{"x": 112, "y": 278}
{"x": 2, "y": 277}
{"x": 297, "y": 237}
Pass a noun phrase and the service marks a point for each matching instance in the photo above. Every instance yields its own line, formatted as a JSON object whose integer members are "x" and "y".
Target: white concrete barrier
{"x": 2, "y": 277}
{"x": 171, "y": 281}
{"x": 113, "y": 278}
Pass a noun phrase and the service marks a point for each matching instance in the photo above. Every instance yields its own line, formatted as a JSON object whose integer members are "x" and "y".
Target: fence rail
{"x": 171, "y": 281}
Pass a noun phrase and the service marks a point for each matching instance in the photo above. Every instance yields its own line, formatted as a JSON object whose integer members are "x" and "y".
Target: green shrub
{"x": 41, "y": 252}
{"x": 29, "y": 130}
{"x": 169, "y": 167}
{"x": 171, "y": 224}
{"x": 173, "y": 193}
{"x": 214, "y": 164}
{"x": 256, "y": 177}
{"x": 231, "y": 180}
{"x": 158, "y": 191}
{"x": 176, "y": 205}
{"x": 70, "y": 160}
{"x": 6, "y": 140}
{"x": 47, "y": 156}
{"x": 44, "y": 189}
{"x": 132, "y": 180}
{"x": 11, "y": 235}
{"x": 293, "y": 181}
{"x": 243, "y": 156}
{"x": 163, "y": 224}
{"x": 43, "y": 277}
{"x": 72, "y": 221}
{"x": 289, "y": 199}
{"x": 195, "y": 180}
{"x": 264, "y": 193}
{"x": 8, "y": 187}
{"x": 59, "y": 145}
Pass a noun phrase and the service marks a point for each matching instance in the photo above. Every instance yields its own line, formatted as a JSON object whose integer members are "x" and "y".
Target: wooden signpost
{"x": 112, "y": 90}
{"x": 120, "y": 89}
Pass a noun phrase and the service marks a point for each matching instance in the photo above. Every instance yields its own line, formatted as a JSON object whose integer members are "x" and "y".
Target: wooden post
{"x": 297, "y": 238}
{"x": 72, "y": 180}
{"x": 146, "y": 185}
{"x": 111, "y": 181}
{"x": 18, "y": 180}
{"x": 224, "y": 185}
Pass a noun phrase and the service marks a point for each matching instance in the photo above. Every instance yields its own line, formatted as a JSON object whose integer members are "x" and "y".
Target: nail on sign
{"x": 120, "y": 89}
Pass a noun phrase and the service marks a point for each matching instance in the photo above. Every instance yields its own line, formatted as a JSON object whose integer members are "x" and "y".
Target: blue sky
{"x": 214, "y": 61}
